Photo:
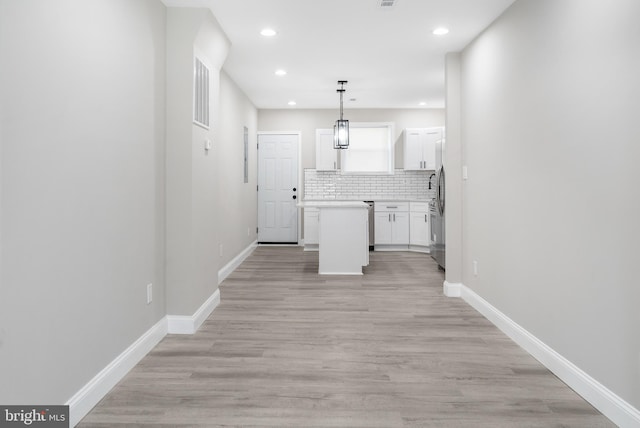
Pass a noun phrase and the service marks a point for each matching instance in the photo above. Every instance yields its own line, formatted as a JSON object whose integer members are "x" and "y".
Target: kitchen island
{"x": 343, "y": 236}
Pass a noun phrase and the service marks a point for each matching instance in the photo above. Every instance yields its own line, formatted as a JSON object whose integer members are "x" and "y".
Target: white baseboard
{"x": 235, "y": 262}
{"x": 608, "y": 403}
{"x": 88, "y": 396}
{"x": 185, "y": 324}
{"x": 84, "y": 400}
{"x": 452, "y": 289}
{"x": 390, "y": 247}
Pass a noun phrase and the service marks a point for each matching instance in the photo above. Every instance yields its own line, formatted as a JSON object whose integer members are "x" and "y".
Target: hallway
{"x": 289, "y": 348}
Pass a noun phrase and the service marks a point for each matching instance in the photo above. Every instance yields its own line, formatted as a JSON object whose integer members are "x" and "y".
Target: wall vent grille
{"x": 200, "y": 94}
{"x": 386, "y": 4}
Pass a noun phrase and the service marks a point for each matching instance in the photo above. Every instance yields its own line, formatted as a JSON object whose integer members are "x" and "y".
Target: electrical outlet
{"x": 149, "y": 293}
{"x": 475, "y": 268}
{"x": 465, "y": 173}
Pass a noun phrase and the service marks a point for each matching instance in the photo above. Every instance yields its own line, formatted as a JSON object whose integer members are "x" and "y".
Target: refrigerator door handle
{"x": 438, "y": 190}
{"x": 440, "y": 193}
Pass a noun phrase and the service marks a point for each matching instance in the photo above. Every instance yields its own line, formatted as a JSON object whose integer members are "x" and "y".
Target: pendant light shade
{"x": 341, "y": 128}
{"x": 341, "y": 134}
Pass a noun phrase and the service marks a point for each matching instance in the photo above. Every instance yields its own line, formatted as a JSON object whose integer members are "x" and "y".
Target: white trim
{"x": 185, "y": 324}
{"x": 391, "y": 247}
{"x": 452, "y": 289}
{"x": 236, "y": 261}
{"x": 340, "y": 273}
{"x": 89, "y": 395}
{"x": 611, "y": 405}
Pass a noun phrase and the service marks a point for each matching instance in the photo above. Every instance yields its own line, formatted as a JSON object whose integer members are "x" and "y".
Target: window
{"x": 200, "y": 94}
{"x": 370, "y": 149}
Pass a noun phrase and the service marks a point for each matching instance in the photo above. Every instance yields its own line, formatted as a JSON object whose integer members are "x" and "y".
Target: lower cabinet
{"x": 391, "y": 225}
{"x": 398, "y": 226}
{"x": 311, "y": 222}
{"x": 419, "y": 225}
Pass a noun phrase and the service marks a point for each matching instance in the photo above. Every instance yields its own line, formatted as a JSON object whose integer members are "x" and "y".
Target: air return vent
{"x": 387, "y": 4}
{"x": 201, "y": 94}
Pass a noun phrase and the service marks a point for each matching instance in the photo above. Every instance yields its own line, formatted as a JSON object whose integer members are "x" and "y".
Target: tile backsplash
{"x": 405, "y": 185}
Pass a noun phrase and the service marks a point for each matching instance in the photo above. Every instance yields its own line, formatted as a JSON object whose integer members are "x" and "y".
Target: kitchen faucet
{"x": 430, "y": 177}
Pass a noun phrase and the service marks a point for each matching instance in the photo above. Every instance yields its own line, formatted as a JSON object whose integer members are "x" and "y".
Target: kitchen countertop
{"x": 309, "y": 202}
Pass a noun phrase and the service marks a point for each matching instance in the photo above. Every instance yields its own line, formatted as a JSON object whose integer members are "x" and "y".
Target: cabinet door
{"x": 400, "y": 228}
{"x": 413, "y": 149}
{"x": 311, "y": 222}
{"x": 326, "y": 155}
{"x": 419, "y": 229}
{"x": 429, "y": 140}
{"x": 383, "y": 228}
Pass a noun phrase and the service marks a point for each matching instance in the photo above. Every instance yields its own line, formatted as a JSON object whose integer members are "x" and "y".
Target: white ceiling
{"x": 389, "y": 56}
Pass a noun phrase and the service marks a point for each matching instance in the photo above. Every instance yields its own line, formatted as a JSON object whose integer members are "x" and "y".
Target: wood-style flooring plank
{"x": 287, "y": 347}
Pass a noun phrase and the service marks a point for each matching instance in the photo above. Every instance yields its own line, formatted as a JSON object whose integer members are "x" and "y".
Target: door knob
{"x": 295, "y": 197}
{"x": 294, "y": 189}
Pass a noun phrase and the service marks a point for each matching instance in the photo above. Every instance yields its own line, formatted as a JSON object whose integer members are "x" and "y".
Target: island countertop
{"x": 332, "y": 204}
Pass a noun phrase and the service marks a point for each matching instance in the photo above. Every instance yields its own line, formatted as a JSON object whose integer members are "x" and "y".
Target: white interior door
{"x": 277, "y": 188}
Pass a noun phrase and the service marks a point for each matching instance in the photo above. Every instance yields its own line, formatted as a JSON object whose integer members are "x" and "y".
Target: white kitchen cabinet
{"x": 326, "y": 155}
{"x": 419, "y": 226}
{"x": 420, "y": 148}
{"x": 311, "y": 234}
{"x": 382, "y": 228}
{"x": 391, "y": 225}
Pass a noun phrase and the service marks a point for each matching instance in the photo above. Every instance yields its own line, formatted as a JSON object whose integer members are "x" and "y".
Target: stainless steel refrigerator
{"x": 437, "y": 208}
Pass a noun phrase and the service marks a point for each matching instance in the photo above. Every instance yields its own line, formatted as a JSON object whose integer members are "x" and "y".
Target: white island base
{"x": 343, "y": 236}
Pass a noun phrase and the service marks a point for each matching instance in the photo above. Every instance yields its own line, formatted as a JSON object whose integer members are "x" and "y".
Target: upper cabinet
{"x": 420, "y": 148}
{"x": 326, "y": 155}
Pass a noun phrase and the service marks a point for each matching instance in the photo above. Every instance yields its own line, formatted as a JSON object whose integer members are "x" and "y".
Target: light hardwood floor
{"x": 289, "y": 348}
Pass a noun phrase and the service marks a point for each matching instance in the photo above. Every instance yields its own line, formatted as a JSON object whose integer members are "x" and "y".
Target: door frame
{"x": 300, "y": 172}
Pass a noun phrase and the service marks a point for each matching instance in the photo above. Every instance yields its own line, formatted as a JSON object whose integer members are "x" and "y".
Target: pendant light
{"x": 341, "y": 128}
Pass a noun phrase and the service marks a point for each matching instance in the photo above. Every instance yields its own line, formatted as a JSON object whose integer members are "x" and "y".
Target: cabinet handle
{"x": 335, "y": 166}
{"x": 394, "y": 216}
{"x": 390, "y": 206}
{"x": 389, "y": 216}
{"x": 425, "y": 218}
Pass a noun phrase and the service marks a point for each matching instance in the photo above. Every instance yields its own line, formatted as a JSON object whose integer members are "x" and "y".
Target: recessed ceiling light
{"x": 441, "y": 31}
{"x": 280, "y": 72}
{"x": 422, "y": 103}
{"x": 291, "y": 103}
{"x": 268, "y": 32}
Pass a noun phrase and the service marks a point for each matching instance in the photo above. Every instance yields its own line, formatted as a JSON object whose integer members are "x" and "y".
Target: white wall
{"x": 192, "y": 175}
{"x": 550, "y": 102}
{"x": 82, "y": 93}
{"x": 453, "y": 171}
{"x": 237, "y": 207}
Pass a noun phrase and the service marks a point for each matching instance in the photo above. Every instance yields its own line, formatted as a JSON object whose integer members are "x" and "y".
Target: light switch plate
{"x": 465, "y": 174}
